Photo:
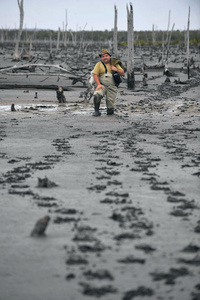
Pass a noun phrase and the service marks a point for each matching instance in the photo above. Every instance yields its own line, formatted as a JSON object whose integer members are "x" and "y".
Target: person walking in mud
{"x": 106, "y": 86}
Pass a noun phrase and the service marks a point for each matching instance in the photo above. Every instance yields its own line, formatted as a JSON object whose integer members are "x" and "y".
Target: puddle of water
{"x": 40, "y": 107}
{"x": 47, "y": 108}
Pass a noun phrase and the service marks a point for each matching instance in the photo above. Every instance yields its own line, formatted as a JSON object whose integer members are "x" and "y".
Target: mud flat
{"x": 122, "y": 193}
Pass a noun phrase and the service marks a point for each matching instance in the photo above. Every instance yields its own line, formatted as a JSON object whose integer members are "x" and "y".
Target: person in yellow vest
{"x": 106, "y": 86}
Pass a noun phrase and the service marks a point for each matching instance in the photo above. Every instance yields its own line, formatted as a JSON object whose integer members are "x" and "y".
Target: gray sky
{"x": 99, "y": 15}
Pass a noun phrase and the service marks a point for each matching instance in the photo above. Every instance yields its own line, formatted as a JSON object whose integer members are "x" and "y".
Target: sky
{"x": 99, "y": 15}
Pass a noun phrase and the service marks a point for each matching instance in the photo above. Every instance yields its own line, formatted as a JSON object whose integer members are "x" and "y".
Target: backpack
{"x": 116, "y": 76}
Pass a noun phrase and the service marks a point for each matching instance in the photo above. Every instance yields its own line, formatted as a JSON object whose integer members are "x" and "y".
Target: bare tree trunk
{"x": 73, "y": 38}
{"x": 153, "y": 36}
{"x": 2, "y": 36}
{"x": 169, "y": 40}
{"x": 63, "y": 32}
{"x": 50, "y": 40}
{"x": 168, "y": 27}
{"x": 188, "y": 44}
{"x": 58, "y": 40}
{"x": 81, "y": 48}
{"x": 21, "y": 9}
{"x": 130, "y": 59}
{"x": 30, "y": 46}
{"x": 185, "y": 39}
{"x": 115, "y": 34}
{"x": 65, "y": 35}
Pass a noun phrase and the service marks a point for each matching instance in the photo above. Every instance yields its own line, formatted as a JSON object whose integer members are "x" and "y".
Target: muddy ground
{"x": 122, "y": 193}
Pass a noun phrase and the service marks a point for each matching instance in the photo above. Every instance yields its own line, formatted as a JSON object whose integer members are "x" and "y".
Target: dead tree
{"x": 169, "y": 40}
{"x": 58, "y": 40}
{"x": 115, "y": 34}
{"x": 168, "y": 27}
{"x": 73, "y": 38}
{"x": 21, "y": 9}
{"x": 65, "y": 30}
{"x": 188, "y": 44}
{"x": 50, "y": 42}
{"x": 81, "y": 48}
{"x": 153, "y": 36}
{"x": 130, "y": 59}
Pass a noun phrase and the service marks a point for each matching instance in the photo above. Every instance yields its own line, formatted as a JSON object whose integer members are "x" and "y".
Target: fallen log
{"x": 153, "y": 67}
{"x": 3, "y": 70}
{"x": 180, "y": 82}
{"x": 33, "y": 86}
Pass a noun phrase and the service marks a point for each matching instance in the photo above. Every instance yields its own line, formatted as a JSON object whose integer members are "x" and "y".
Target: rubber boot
{"x": 110, "y": 111}
{"x": 96, "y": 107}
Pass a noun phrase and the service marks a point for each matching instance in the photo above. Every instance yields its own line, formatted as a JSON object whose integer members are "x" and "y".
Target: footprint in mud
{"x": 179, "y": 213}
{"x": 52, "y": 158}
{"x": 16, "y": 175}
{"x": 160, "y": 187}
{"x": 114, "y": 182}
{"x": 70, "y": 276}
{"x": 61, "y": 220}
{"x": 85, "y": 234}
{"x": 75, "y": 259}
{"x": 113, "y": 163}
{"x": 49, "y": 205}
{"x": 93, "y": 291}
{"x": 116, "y": 194}
{"x": 195, "y": 261}
{"x": 97, "y": 188}
{"x": 177, "y": 194}
{"x": 103, "y": 177}
{"x": 20, "y": 192}
{"x": 40, "y": 165}
{"x": 174, "y": 199}
{"x": 146, "y": 248}
{"x": 196, "y": 295}
{"x": 13, "y": 161}
{"x": 98, "y": 274}
{"x": 139, "y": 169}
{"x": 197, "y": 228}
{"x": 3, "y": 155}
{"x": 117, "y": 201}
{"x": 125, "y": 236}
{"x": 191, "y": 249}
{"x": 131, "y": 260}
{"x": 140, "y": 291}
{"x": 112, "y": 173}
{"x": 171, "y": 276}
{"x": 187, "y": 205}
{"x": 66, "y": 211}
{"x": 62, "y": 145}
{"x": 96, "y": 247}
{"x": 132, "y": 218}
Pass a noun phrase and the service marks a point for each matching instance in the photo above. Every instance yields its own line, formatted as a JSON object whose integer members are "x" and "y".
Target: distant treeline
{"x": 141, "y": 38}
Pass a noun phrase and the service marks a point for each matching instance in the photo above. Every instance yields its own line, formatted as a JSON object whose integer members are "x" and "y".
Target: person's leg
{"x": 98, "y": 95}
{"x": 110, "y": 99}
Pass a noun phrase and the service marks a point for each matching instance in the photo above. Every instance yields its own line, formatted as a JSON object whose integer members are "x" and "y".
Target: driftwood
{"x": 78, "y": 79}
{"x": 180, "y": 82}
{"x": 33, "y": 86}
{"x": 153, "y": 67}
{"x": 3, "y": 70}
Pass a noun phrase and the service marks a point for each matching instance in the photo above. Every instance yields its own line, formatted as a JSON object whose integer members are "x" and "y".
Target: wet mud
{"x": 122, "y": 193}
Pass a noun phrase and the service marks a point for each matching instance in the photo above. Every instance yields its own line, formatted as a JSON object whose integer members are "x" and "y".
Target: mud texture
{"x": 121, "y": 191}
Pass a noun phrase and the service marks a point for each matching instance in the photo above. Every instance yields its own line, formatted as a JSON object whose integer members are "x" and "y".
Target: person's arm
{"x": 120, "y": 71}
{"x": 96, "y": 79}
